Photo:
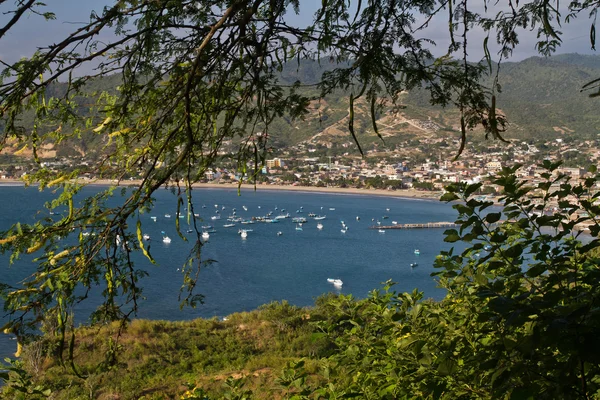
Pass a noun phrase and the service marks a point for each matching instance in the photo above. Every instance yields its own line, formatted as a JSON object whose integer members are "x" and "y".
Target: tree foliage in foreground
{"x": 195, "y": 74}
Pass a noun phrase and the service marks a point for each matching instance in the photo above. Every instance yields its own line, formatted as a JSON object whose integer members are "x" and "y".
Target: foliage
{"x": 194, "y": 75}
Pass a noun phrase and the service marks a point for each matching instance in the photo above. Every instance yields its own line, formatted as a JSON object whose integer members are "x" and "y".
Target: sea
{"x": 275, "y": 262}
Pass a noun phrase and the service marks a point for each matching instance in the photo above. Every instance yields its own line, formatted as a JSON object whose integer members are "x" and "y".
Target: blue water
{"x": 266, "y": 267}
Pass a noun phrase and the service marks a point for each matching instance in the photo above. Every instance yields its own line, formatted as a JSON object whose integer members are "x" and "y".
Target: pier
{"x": 417, "y": 226}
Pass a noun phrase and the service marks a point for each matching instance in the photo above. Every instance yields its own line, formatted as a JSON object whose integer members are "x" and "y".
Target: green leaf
{"x": 493, "y": 217}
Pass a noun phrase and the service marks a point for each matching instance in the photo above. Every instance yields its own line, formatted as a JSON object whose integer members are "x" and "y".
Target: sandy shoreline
{"x": 404, "y": 193}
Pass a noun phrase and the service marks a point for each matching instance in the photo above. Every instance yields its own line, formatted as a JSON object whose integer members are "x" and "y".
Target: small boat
{"x": 320, "y": 218}
{"x": 244, "y": 234}
{"x": 412, "y": 265}
{"x": 272, "y": 221}
{"x": 312, "y": 215}
{"x": 279, "y": 233}
{"x": 206, "y": 226}
{"x": 336, "y": 282}
{"x": 343, "y": 230}
{"x": 358, "y": 218}
{"x": 246, "y": 208}
{"x": 387, "y": 209}
{"x": 417, "y": 251}
{"x": 299, "y": 219}
{"x": 331, "y": 209}
{"x": 189, "y": 231}
{"x": 247, "y": 222}
{"x": 153, "y": 219}
{"x": 298, "y": 228}
{"x": 215, "y": 217}
{"x": 244, "y": 230}
{"x": 203, "y": 206}
{"x": 394, "y": 222}
{"x": 196, "y": 215}
{"x": 146, "y": 236}
{"x": 382, "y": 231}
{"x": 166, "y": 239}
{"x": 228, "y": 225}
{"x": 319, "y": 226}
{"x": 167, "y": 215}
{"x": 205, "y": 235}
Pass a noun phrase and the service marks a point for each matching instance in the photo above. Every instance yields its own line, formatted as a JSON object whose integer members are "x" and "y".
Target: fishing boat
{"x": 336, "y": 282}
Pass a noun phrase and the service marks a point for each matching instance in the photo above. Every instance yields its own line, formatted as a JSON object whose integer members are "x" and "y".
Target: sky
{"x": 33, "y": 31}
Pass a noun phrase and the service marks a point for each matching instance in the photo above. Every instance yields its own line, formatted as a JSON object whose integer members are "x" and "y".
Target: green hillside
{"x": 541, "y": 98}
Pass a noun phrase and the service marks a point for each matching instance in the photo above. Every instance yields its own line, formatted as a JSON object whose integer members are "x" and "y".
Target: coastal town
{"x": 429, "y": 167}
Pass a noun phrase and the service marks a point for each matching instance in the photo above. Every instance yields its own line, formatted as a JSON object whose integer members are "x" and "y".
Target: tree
{"x": 192, "y": 75}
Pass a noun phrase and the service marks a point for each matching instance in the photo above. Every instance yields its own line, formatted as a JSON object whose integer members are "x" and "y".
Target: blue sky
{"x": 33, "y": 31}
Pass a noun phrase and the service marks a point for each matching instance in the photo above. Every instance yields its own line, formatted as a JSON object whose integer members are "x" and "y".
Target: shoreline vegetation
{"x": 401, "y": 193}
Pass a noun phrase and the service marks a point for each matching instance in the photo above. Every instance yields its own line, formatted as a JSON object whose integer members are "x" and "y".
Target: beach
{"x": 404, "y": 193}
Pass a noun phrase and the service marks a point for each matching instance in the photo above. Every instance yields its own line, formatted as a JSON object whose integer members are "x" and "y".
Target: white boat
{"x": 319, "y": 226}
{"x": 331, "y": 209}
{"x": 382, "y": 231}
{"x": 244, "y": 230}
{"x": 358, "y": 218}
{"x": 279, "y": 233}
{"x": 167, "y": 215}
{"x": 417, "y": 251}
{"x": 246, "y": 208}
{"x": 244, "y": 234}
{"x": 166, "y": 239}
{"x": 215, "y": 217}
{"x": 320, "y": 218}
{"x": 394, "y": 222}
{"x": 205, "y": 235}
{"x": 228, "y": 225}
{"x": 343, "y": 230}
{"x": 153, "y": 219}
{"x": 336, "y": 282}
{"x": 412, "y": 265}
{"x": 298, "y": 228}
{"x": 146, "y": 236}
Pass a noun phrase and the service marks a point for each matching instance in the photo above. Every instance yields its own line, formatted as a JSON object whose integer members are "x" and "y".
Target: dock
{"x": 417, "y": 226}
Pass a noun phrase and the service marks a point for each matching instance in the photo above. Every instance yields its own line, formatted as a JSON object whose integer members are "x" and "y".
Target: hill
{"x": 540, "y": 96}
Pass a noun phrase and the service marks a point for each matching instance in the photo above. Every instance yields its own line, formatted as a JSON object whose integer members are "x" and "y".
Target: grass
{"x": 161, "y": 359}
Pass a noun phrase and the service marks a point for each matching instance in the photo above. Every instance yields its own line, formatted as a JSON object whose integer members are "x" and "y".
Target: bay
{"x": 265, "y": 267}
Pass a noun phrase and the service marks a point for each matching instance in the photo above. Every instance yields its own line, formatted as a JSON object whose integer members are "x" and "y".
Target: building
{"x": 275, "y": 163}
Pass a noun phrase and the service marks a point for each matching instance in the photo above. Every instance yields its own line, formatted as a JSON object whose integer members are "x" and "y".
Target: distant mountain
{"x": 540, "y": 96}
